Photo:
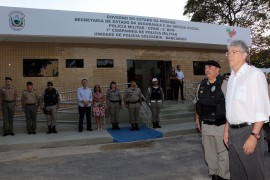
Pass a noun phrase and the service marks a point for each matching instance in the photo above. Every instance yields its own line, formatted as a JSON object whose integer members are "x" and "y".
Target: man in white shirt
{"x": 180, "y": 76}
{"x": 84, "y": 95}
{"x": 247, "y": 109}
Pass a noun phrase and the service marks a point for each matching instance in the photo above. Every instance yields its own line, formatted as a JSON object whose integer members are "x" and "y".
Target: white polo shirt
{"x": 247, "y": 98}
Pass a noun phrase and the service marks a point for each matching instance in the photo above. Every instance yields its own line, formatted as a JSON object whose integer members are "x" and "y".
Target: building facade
{"x": 65, "y": 47}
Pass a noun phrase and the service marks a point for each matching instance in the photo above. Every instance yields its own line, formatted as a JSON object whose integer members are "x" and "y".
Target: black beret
{"x": 213, "y": 63}
{"x": 8, "y": 78}
{"x": 49, "y": 83}
{"x": 29, "y": 83}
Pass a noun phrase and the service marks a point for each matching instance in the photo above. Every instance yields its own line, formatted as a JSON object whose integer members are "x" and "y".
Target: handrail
{"x": 71, "y": 100}
{"x": 191, "y": 90}
{"x": 145, "y": 110}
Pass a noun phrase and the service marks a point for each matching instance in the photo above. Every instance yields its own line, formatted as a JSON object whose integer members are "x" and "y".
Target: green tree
{"x": 253, "y": 14}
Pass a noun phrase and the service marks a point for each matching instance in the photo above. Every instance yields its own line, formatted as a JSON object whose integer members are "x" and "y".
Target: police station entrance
{"x": 145, "y": 70}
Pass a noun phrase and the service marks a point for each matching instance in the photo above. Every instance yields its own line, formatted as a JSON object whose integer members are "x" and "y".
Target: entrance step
{"x": 177, "y": 118}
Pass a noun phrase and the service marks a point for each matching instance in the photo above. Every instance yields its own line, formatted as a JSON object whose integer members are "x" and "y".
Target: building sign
{"x": 111, "y": 26}
{"x": 16, "y": 20}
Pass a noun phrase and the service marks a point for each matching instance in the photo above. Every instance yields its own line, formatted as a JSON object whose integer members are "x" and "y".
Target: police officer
{"x": 30, "y": 103}
{"x": 155, "y": 98}
{"x": 114, "y": 104}
{"x": 211, "y": 119}
{"x": 132, "y": 101}
{"x": 8, "y": 96}
{"x": 50, "y": 101}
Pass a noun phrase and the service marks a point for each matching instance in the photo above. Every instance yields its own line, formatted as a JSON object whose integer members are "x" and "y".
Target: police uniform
{"x": 155, "y": 98}
{"x": 30, "y": 103}
{"x": 8, "y": 101}
{"x": 132, "y": 100}
{"x": 114, "y": 101}
{"x": 211, "y": 109}
{"x": 50, "y": 100}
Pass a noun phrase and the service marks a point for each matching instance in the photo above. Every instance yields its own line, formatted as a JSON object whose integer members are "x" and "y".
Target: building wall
{"x": 13, "y": 53}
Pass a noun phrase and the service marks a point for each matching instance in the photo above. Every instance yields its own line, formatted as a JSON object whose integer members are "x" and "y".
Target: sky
{"x": 169, "y": 9}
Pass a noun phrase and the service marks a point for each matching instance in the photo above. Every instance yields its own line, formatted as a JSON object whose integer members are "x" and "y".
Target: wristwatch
{"x": 257, "y": 136}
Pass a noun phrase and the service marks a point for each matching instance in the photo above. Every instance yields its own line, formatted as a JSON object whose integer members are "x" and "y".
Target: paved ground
{"x": 174, "y": 158}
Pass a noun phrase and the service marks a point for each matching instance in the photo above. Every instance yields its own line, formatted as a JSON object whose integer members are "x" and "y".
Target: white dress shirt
{"x": 247, "y": 98}
{"x": 84, "y": 94}
{"x": 180, "y": 74}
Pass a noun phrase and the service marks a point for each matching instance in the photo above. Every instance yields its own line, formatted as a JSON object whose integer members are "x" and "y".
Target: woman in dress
{"x": 98, "y": 107}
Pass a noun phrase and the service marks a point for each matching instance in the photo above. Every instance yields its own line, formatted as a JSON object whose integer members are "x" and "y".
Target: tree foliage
{"x": 253, "y": 14}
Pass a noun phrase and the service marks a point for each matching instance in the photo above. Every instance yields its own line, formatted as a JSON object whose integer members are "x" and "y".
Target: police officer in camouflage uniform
{"x": 114, "y": 104}
{"x": 155, "y": 99}
{"x": 132, "y": 99}
{"x": 8, "y": 95}
{"x": 30, "y": 103}
{"x": 211, "y": 119}
{"x": 49, "y": 103}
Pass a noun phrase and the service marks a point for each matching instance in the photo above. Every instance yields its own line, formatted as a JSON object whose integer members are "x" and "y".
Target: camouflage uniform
{"x": 8, "y": 96}
{"x": 114, "y": 101}
{"x": 30, "y": 103}
{"x": 132, "y": 100}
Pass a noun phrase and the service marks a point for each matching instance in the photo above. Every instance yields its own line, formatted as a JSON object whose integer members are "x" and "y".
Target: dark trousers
{"x": 8, "y": 109}
{"x": 181, "y": 85}
{"x": 87, "y": 112}
{"x": 174, "y": 91}
{"x": 31, "y": 117}
{"x": 245, "y": 167}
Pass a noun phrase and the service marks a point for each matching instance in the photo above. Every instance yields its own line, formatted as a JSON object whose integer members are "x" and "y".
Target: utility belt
{"x": 118, "y": 101}
{"x": 49, "y": 104}
{"x": 135, "y": 102}
{"x": 238, "y": 126}
{"x": 214, "y": 122}
{"x": 31, "y": 104}
{"x": 7, "y": 101}
{"x": 155, "y": 101}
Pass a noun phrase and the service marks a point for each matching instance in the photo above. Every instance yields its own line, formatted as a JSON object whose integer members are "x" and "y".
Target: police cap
{"x": 29, "y": 83}
{"x": 212, "y": 63}
{"x": 8, "y": 78}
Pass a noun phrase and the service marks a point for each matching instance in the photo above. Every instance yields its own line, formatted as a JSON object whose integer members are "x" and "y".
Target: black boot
{"x": 49, "y": 130}
{"x": 132, "y": 127}
{"x": 154, "y": 125}
{"x": 113, "y": 126}
{"x": 54, "y": 130}
{"x": 157, "y": 124}
{"x": 137, "y": 127}
{"x": 116, "y": 126}
{"x": 268, "y": 146}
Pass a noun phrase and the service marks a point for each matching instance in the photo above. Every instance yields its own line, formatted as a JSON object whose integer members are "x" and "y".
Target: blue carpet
{"x": 125, "y": 135}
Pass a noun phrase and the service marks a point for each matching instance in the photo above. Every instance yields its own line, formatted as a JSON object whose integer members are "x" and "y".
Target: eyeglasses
{"x": 231, "y": 52}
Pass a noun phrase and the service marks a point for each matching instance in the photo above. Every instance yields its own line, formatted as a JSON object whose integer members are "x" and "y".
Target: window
{"x": 104, "y": 63}
{"x": 40, "y": 67}
{"x": 198, "y": 67}
{"x": 74, "y": 63}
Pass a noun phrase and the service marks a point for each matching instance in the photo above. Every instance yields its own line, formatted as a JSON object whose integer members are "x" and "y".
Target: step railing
{"x": 191, "y": 90}
{"x": 69, "y": 104}
{"x": 70, "y": 101}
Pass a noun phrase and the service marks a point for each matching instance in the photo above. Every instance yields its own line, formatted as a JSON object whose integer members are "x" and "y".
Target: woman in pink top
{"x": 98, "y": 107}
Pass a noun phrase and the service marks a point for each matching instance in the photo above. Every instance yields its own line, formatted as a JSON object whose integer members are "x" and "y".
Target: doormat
{"x": 126, "y": 135}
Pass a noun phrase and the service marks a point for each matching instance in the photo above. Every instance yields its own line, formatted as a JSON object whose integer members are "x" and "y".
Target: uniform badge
{"x": 201, "y": 92}
{"x": 213, "y": 88}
